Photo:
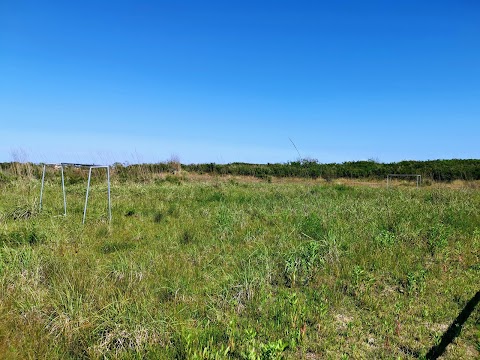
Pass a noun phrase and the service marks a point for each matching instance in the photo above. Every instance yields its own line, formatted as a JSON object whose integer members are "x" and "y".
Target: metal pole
{"x": 64, "y": 195}
{"x": 43, "y": 181}
{"x": 109, "y": 201}
{"x": 86, "y": 196}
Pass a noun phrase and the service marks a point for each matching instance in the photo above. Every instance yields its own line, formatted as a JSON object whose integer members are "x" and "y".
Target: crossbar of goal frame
{"x": 90, "y": 167}
{"x": 418, "y": 178}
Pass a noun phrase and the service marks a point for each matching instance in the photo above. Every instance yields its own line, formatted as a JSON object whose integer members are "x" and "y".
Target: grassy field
{"x": 215, "y": 267}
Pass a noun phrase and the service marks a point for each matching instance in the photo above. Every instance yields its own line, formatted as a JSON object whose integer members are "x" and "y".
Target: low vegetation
{"x": 435, "y": 170}
{"x": 214, "y": 267}
{"x": 432, "y": 170}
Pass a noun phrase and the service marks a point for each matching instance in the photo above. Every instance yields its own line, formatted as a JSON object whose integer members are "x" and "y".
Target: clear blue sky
{"x": 224, "y": 81}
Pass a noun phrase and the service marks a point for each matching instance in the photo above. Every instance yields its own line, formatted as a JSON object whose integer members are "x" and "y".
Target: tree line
{"x": 437, "y": 170}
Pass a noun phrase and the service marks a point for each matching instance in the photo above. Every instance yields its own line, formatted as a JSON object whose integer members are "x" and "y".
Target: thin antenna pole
{"x": 299, "y": 156}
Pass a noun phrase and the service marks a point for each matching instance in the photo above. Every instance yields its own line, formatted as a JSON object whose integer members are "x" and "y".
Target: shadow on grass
{"x": 454, "y": 329}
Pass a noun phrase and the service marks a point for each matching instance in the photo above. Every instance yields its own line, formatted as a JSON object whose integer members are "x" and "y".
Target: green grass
{"x": 217, "y": 268}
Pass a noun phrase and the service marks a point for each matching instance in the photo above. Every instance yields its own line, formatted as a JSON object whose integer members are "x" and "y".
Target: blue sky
{"x": 224, "y": 81}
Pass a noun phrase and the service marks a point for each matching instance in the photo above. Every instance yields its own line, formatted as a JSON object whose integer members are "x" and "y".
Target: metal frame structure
{"x": 418, "y": 178}
{"x": 90, "y": 167}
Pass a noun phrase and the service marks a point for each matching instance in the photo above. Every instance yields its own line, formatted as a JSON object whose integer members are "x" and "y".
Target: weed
{"x": 385, "y": 238}
{"x": 312, "y": 226}
{"x": 28, "y": 234}
{"x": 225, "y": 220}
{"x": 102, "y": 232}
{"x": 173, "y": 179}
{"x": 111, "y": 247}
{"x": 4, "y": 178}
{"x": 415, "y": 282}
{"x": 158, "y": 217}
{"x": 187, "y": 237}
{"x": 173, "y": 210}
{"x": 130, "y": 212}
{"x": 302, "y": 262}
{"x": 358, "y": 272}
{"x": 342, "y": 188}
{"x": 438, "y": 236}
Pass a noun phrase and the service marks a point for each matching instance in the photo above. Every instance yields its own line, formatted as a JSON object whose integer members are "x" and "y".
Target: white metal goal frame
{"x": 90, "y": 167}
{"x": 416, "y": 176}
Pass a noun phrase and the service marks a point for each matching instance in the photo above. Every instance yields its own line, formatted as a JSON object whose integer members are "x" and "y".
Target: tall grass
{"x": 226, "y": 268}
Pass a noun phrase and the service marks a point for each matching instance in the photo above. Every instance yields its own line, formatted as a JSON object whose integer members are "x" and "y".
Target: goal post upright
{"x": 418, "y": 178}
{"x": 107, "y": 167}
{"x": 63, "y": 186}
{"x": 86, "y": 196}
{"x": 90, "y": 167}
